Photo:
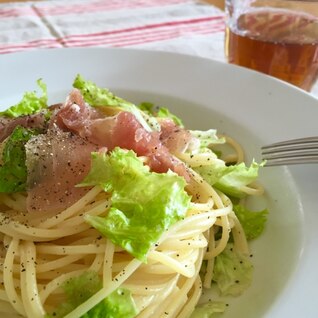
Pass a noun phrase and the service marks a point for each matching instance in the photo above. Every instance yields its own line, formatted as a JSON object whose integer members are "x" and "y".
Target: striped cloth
{"x": 186, "y": 26}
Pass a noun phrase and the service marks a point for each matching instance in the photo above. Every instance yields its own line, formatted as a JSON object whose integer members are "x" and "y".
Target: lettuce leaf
{"x": 164, "y": 112}
{"x": 77, "y": 290}
{"x": 237, "y": 176}
{"x": 252, "y": 222}
{"x": 30, "y": 104}
{"x": 147, "y": 107}
{"x": 96, "y": 96}
{"x": 13, "y": 170}
{"x": 233, "y": 272}
{"x": 213, "y": 172}
{"x": 230, "y": 179}
{"x": 144, "y": 203}
{"x": 119, "y": 304}
{"x": 209, "y": 310}
{"x": 208, "y": 137}
{"x": 161, "y": 112}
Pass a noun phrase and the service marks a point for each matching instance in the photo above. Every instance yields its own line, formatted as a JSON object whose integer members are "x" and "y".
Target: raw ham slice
{"x": 56, "y": 162}
{"x": 7, "y": 124}
{"x": 75, "y": 115}
{"x": 128, "y": 133}
{"x": 122, "y": 130}
{"x": 60, "y": 158}
{"x": 175, "y": 138}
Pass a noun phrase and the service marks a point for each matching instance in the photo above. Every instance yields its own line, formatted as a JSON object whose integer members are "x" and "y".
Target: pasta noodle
{"x": 120, "y": 192}
{"x": 42, "y": 253}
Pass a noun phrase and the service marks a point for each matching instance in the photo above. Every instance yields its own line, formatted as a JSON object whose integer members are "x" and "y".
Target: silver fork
{"x": 295, "y": 151}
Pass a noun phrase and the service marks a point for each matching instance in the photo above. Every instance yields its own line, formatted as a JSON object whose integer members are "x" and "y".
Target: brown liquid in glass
{"x": 279, "y": 43}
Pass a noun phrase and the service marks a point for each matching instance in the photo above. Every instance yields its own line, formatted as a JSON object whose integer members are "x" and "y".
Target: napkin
{"x": 185, "y": 26}
{"x": 171, "y": 25}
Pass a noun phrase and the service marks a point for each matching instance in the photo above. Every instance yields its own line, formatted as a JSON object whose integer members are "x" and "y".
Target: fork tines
{"x": 295, "y": 151}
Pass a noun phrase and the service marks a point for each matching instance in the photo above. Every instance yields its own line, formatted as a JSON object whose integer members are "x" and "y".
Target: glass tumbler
{"x": 275, "y": 37}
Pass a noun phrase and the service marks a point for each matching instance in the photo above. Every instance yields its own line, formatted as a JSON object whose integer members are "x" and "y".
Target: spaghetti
{"x": 42, "y": 252}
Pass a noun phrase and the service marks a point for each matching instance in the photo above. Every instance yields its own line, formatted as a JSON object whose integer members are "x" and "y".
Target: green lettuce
{"x": 233, "y": 272}
{"x": 161, "y": 112}
{"x": 147, "y": 107}
{"x": 96, "y": 96}
{"x": 144, "y": 203}
{"x": 13, "y": 170}
{"x": 208, "y": 137}
{"x": 209, "y": 310}
{"x": 236, "y": 177}
{"x": 252, "y": 222}
{"x": 229, "y": 179}
{"x": 164, "y": 112}
{"x": 119, "y": 304}
{"x": 213, "y": 172}
{"x": 30, "y": 104}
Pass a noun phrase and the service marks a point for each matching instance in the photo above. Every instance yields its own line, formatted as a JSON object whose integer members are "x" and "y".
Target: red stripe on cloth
{"x": 112, "y": 38}
{"x": 52, "y": 43}
{"x": 17, "y": 12}
{"x": 148, "y": 26}
{"x": 144, "y": 39}
{"x": 136, "y": 41}
{"x": 127, "y": 37}
{"x": 163, "y": 30}
{"x": 33, "y": 44}
{"x": 104, "y": 6}
{"x": 28, "y": 47}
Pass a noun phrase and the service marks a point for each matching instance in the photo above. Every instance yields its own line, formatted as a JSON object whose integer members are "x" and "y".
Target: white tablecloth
{"x": 186, "y": 26}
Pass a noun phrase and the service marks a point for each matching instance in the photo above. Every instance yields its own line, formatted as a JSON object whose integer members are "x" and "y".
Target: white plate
{"x": 253, "y": 108}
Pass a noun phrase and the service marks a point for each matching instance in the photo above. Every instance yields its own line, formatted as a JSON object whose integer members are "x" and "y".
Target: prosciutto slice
{"x": 56, "y": 162}
{"x": 122, "y": 130}
{"x": 175, "y": 138}
{"x": 60, "y": 158}
{"x": 7, "y": 124}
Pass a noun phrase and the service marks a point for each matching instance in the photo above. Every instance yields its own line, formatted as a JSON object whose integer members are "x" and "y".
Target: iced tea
{"x": 278, "y": 42}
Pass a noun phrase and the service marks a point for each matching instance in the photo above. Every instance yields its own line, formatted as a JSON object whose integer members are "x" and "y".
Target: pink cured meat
{"x": 122, "y": 130}
{"x": 56, "y": 162}
{"x": 7, "y": 124}
{"x": 175, "y": 138}
{"x": 60, "y": 159}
